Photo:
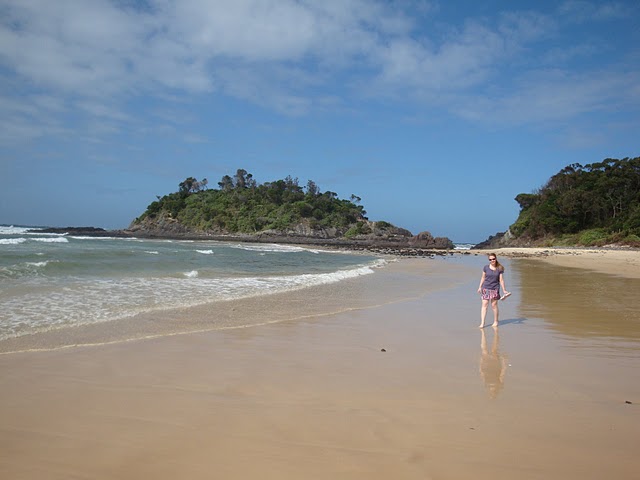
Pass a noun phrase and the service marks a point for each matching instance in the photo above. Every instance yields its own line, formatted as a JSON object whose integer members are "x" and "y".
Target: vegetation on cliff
{"x": 241, "y": 205}
{"x": 589, "y": 205}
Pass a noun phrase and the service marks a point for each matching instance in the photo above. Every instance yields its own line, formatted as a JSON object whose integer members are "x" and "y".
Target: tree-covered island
{"x": 281, "y": 210}
{"x": 591, "y": 205}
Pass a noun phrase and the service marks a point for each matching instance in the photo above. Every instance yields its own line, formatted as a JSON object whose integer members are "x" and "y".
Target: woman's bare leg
{"x": 483, "y": 312}
{"x": 494, "y": 307}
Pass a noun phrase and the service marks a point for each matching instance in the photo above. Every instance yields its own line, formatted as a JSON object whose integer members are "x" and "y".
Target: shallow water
{"x": 589, "y": 310}
{"x": 58, "y": 281}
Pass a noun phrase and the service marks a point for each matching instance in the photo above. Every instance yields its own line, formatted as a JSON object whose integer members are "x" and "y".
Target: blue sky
{"x": 436, "y": 114}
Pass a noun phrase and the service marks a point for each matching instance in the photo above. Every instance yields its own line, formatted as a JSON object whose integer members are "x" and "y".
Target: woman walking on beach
{"x": 490, "y": 283}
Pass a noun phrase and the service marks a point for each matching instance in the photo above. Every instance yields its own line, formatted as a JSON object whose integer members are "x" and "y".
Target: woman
{"x": 490, "y": 283}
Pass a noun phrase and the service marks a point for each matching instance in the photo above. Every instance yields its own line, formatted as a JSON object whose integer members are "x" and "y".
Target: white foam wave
{"x": 51, "y": 240}
{"x": 85, "y": 302}
{"x": 269, "y": 248}
{"x": 39, "y": 264}
{"x": 19, "y": 240}
{"x": 13, "y": 230}
{"x": 12, "y": 241}
{"x": 152, "y": 252}
{"x": 205, "y": 252}
{"x": 28, "y": 269}
{"x": 85, "y": 237}
{"x": 309, "y": 280}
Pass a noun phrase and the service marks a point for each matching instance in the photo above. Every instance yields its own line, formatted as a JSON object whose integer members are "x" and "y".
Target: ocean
{"x": 52, "y": 281}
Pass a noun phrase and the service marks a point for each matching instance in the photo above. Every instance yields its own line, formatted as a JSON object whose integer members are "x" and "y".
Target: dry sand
{"x": 317, "y": 398}
{"x": 623, "y": 262}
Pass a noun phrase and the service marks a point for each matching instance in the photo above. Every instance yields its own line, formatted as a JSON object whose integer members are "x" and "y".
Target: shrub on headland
{"x": 241, "y": 206}
{"x": 592, "y": 205}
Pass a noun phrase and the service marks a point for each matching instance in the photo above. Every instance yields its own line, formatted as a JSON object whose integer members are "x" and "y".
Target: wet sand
{"x": 310, "y": 394}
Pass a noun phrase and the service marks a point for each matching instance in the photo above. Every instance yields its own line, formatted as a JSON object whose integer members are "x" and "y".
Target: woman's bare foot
{"x": 494, "y": 324}
{"x": 481, "y": 325}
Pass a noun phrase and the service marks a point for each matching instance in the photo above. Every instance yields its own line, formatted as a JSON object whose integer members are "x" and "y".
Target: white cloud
{"x": 293, "y": 57}
{"x": 582, "y": 10}
{"x": 549, "y": 97}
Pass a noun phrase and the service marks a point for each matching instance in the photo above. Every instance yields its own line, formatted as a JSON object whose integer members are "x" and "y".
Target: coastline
{"x": 323, "y": 300}
{"x": 614, "y": 260}
{"x": 397, "y": 384}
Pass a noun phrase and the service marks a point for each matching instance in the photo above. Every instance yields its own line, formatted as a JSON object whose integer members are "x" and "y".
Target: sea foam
{"x": 274, "y": 248}
{"x": 12, "y": 241}
{"x": 51, "y": 240}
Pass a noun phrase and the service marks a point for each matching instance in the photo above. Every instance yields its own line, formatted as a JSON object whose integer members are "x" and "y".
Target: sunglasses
{"x": 492, "y": 259}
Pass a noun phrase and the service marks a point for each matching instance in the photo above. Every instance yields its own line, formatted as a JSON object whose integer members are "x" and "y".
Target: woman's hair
{"x": 499, "y": 266}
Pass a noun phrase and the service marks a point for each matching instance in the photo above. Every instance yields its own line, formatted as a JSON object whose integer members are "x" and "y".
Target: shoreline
{"x": 399, "y": 383}
{"x": 247, "y": 312}
{"x": 623, "y": 262}
{"x": 353, "y": 294}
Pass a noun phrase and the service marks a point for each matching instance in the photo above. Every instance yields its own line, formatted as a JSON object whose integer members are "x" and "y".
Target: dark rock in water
{"x": 73, "y": 230}
{"x": 82, "y": 231}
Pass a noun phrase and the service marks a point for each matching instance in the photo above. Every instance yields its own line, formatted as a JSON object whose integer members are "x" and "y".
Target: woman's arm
{"x": 482, "y": 281}
{"x": 504, "y": 289}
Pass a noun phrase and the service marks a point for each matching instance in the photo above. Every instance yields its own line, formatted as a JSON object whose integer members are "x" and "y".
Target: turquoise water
{"x": 60, "y": 281}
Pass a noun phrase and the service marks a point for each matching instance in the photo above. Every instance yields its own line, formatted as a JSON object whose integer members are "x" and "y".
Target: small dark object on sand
{"x": 382, "y": 350}
{"x": 628, "y": 402}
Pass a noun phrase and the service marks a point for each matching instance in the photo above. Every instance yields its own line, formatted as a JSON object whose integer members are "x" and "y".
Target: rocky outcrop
{"x": 506, "y": 240}
{"x": 492, "y": 242}
{"x": 381, "y": 234}
{"x": 426, "y": 240}
{"x": 304, "y": 230}
{"x": 160, "y": 226}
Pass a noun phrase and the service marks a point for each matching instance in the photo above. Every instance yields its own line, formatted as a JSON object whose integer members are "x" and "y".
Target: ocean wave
{"x": 152, "y": 252}
{"x": 88, "y": 302}
{"x": 12, "y": 241}
{"x": 38, "y": 264}
{"x": 13, "y": 230}
{"x": 50, "y": 239}
{"x": 310, "y": 280}
{"x": 26, "y": 269}
{"x": 273, "y": 248}
{"x": 85, "y": 237}
{"x": 205, "y": 252}
{"x": 19, "y": 240}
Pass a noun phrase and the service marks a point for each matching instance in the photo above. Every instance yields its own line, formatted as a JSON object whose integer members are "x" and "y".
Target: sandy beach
{"x": 383, "y": 376}
{"x": 622, "y": 262}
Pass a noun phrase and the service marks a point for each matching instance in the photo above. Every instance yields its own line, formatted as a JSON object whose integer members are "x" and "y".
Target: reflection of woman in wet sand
{"x": 493, "y": 365}
{"x": 490, "y": 283}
